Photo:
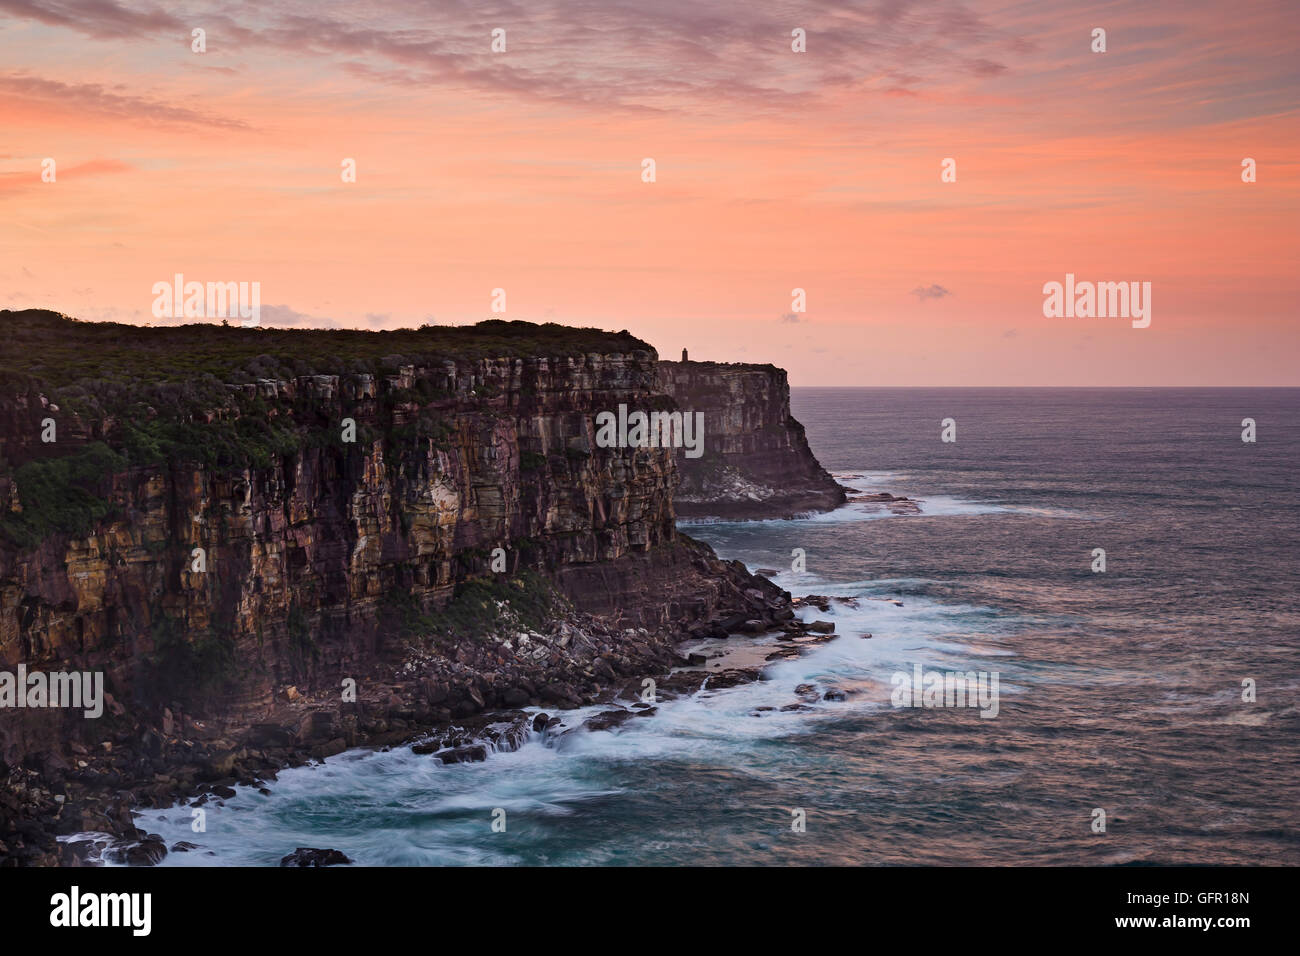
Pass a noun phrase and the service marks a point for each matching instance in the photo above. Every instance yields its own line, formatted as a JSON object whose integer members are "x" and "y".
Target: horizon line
{"x": 1043, "y": 387}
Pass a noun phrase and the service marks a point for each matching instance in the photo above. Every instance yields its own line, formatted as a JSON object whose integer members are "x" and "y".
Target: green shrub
{"x": 481, "y": 606}
{"x": 62, "y": 495}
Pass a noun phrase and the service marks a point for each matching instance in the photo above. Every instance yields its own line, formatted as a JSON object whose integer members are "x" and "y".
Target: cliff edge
{"x": 756, "y": 462}
{"x": 272, "y": 544}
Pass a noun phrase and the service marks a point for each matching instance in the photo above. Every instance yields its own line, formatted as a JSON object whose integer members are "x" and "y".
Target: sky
{"x": 774, "y": 170}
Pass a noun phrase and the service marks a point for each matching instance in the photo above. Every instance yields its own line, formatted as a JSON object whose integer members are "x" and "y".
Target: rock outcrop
{"x": 232, "y": 524}
{"x": 756, "y": 462}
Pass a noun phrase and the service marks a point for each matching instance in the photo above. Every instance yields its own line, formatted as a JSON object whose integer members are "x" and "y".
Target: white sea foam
{"x": 397, "y": 808}
{"x": 927, "y": 506}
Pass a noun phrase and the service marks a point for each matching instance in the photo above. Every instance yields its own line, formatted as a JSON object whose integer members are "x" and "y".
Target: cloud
{"x": 638, "y": 56}
{"x": 982, "y": 67}
{"x": 285, "y": 317}
{"x": 94, "y": 98}
{"x": 934, "y": 291}
{"x": 32, "y": 177}
{"x": 102, "y": 19}
{"x": 709, "y": 59}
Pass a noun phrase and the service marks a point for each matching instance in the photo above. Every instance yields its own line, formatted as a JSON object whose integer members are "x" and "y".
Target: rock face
{"x": 756, "y": 461}
{"x": 308, "y": 561}
{"x": 234, "y": 525}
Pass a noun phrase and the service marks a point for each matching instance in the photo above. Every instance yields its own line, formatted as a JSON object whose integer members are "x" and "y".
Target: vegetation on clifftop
{"x": 61, "y": 351}
{"x": 157, "y": 396}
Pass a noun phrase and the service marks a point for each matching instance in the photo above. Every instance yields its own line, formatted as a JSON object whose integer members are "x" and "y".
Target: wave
{"x": 926, "y": 506}
{"x": 397, "y": 807}
{"x": 400, "y": 808}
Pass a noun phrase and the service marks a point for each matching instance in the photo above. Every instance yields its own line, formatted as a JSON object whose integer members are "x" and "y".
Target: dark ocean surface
{"x": 1119, "y": 691}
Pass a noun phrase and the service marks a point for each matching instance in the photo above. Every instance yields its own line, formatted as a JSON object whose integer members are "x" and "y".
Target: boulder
{"x": 146, "y": 852}
{"x": 472, "y": 753}
{"x": 515, "y": 697}
{"x": 310, "y": 856}
{"x": 607, "y": 720}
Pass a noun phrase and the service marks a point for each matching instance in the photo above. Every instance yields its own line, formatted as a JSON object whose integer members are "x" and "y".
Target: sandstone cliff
{"x": 233, "y": 524}
{"x": 211, "y": 516}
{"x": 756, "y": 461}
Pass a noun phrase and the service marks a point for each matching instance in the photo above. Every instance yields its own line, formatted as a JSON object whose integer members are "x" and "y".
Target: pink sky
{"x": 775, "y": 170}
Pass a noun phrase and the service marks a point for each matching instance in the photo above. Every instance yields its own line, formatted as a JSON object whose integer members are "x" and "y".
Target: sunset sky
{"x": 775, "y": 170}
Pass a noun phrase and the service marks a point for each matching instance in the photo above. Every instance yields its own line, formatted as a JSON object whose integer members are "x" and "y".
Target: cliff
{"x": 756, "y": 462}
{"x": 228, "y": 523}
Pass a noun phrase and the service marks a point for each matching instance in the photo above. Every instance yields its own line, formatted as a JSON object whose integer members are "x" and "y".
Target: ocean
{"x": 1120, "y": 691}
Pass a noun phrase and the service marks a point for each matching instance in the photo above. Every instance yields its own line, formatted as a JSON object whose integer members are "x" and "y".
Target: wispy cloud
{"x": 934, "y": 291}
{"x": 23, "y": 179}
{"x": 287, "y": 317}
{"x": 608, "y": 52}
{"x": 95, "y": 98}
{"x": 102, "y": 19}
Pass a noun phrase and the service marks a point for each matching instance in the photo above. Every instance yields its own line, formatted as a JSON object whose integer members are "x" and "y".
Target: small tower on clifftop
{"x": 684, "y": 358}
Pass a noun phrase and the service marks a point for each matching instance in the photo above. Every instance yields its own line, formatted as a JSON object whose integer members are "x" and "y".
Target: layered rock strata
{"x": 756, "y": 462}
{"x": 271, "y": 558}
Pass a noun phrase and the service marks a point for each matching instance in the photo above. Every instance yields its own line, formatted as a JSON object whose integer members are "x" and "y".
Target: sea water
{"x": 1120, "y": 690}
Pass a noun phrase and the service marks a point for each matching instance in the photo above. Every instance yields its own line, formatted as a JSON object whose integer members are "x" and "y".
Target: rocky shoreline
{"x": 347, "y": 539}
{"x": 450, "y": 711}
